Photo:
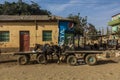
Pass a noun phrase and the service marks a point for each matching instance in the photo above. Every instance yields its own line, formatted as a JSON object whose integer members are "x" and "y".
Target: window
{"x": 47, "y": 35}
{"x": 4, "y": 36}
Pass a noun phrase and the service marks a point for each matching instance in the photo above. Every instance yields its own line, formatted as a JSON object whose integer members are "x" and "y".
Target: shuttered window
{"x": 4, "y": 36}
{"x": 47, "y": 36}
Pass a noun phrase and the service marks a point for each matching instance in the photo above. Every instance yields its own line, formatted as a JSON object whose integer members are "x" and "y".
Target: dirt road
{"x": 105, "y": 70}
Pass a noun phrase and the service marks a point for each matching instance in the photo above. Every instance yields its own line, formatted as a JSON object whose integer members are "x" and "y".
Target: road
{"x": 104, "y": 70}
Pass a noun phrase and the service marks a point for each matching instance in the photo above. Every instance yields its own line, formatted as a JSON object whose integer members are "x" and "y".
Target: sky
{"x": 99, "y": 12}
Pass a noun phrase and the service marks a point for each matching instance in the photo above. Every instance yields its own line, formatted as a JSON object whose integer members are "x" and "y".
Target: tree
{"x": 22, "y": 8}
{"x": 92, "y": 32}
{"x": 81, "y": 24}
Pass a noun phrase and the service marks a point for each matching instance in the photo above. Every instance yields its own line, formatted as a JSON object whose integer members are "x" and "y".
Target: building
{"x": 115, "y": 24}
{"x": 21, "y": 33}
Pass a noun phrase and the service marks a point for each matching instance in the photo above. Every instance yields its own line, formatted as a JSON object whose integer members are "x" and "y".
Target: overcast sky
{"x": 99, "y": 12}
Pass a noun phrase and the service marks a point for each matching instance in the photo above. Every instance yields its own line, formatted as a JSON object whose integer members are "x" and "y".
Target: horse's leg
{"x": 46, "y": 59}
{"x": 58, "y": 59}
{"x": 52, "y": 57}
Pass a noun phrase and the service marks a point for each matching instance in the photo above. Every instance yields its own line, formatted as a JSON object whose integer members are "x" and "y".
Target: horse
{"x": 38, "y": 47}
{"x": 49, "y": 50}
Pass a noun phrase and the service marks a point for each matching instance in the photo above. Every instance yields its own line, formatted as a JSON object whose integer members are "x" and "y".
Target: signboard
{"x": 64, "y": 27}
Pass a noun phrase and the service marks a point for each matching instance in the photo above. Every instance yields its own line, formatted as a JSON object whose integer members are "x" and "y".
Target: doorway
{"x": 24, "y": 41}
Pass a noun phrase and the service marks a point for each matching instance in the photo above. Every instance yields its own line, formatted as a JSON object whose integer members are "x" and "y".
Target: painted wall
{"x": 114, "y": 29}
{"x": 116, "y": 17}
{"x": 52, "y": 26}
{"x": 35, "y": 35}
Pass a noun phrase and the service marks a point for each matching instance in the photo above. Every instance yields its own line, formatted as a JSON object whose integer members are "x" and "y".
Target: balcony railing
{"x": 114, "y": 22}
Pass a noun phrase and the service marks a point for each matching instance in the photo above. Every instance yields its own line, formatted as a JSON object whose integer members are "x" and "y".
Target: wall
{"x": 35, "y": 35}
{"x": 116, "y": 17}
{"x": 53, "y": 26}
{"x": 114, "y": 29}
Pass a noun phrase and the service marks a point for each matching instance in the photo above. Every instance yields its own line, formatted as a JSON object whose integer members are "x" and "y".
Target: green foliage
{"x": 22, "y": 8}
{"x": 92, "y": 32}
{"x": 80, "y": 27}
{"x": 80, "y": 23}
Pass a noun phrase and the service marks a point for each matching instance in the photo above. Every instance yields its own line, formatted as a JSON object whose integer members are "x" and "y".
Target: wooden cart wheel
{"x": 71, "y": 60}
{"x": 41, "y": 59}
{"x": 22, "y": 60}
{"x": 91, "y": 59}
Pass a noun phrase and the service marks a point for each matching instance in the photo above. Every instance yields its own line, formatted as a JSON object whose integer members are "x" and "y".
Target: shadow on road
{"x": 101, "y": 62}
{"x": 8, "y": 61}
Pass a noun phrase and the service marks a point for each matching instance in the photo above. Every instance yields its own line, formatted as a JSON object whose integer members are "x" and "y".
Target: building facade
{"x": 115, "y": 24}
{"x": 21, "y": 33}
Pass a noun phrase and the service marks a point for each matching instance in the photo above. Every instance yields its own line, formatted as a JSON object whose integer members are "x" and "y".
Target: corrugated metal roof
{"x": 30, "y": 18}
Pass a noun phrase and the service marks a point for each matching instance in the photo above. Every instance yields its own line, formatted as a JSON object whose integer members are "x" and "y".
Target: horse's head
{"x": 38, "y": 46}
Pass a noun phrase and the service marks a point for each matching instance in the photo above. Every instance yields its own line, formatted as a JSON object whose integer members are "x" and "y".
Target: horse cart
{"x": 71, "y": 57}
{"x": 40, "y": 55}
{"x": 24, "y": 57}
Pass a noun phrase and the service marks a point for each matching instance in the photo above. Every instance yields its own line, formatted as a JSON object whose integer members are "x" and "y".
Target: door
{"x": 24, "y": 41}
